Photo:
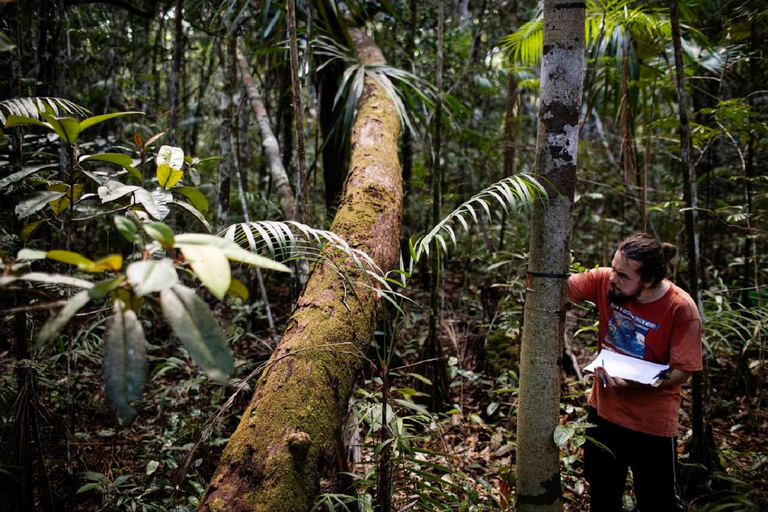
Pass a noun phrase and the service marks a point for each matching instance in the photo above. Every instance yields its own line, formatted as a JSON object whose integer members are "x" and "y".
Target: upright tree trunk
{"x": 703, "y": 456}
{"x": 273, "y": 460}
{"x": 298, "y": 114}
{"x": 173, "y": 93}
{"x": 562, "y": 64}
{"x": 436, "y": 368}
{"x": 227, "y": 118}
{"x": 269, "y": 142}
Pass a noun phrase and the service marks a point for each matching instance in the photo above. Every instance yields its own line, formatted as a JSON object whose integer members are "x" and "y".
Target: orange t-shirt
{"x": 665, "y": 331}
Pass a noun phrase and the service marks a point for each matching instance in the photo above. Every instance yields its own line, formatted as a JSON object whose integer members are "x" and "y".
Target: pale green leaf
{"x": 71, "y": 258}
{"x": 162, "y": 198}
{"x": 211, "y": 266}
{"x": 161, "y": 232}
{"x": 151, "y": 276}
{"x": 53, "y": 327}
{"x": 31, "y": 254}
{"x": 88, "y": 122}
{"x": 562, "y": 434}
{"x": 126, "y": 227}
{"x": 12, "y": 178}
{"x": 40, "y": 277}
{"x": 170, "y": 156}
{"x": 36, "y": 202}
{"x": 124, "y": 161}
{"x": 199, "y": 331}
{"x": 233, "y": 251}
{"x": 125, "y": 362}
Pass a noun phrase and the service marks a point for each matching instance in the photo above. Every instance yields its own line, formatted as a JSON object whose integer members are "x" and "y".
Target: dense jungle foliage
{"x": 149, "y": 267}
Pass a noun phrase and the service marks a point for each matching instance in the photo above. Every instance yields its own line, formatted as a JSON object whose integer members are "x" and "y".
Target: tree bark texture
{"x": 269, "y": 142}
{"x": 538, "y": 471}
{"x": 174, "y": 92}
{"x": 273, "y": 460}
{"x": 226, "y": 111}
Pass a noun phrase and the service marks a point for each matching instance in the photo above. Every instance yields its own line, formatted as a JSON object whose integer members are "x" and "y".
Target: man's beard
{"x": 620, "y": 298}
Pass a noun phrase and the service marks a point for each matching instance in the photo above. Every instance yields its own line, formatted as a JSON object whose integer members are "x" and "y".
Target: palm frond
{"x": 514, "y": 193}
{"x": 33, "y": 107}
{"x": 527, "y": 42}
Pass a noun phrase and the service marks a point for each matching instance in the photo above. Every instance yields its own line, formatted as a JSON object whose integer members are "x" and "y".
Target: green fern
{"x": 32, "y": 107}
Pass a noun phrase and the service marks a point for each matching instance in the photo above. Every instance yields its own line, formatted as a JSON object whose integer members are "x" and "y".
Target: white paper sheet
{"x": 630, "y": 368}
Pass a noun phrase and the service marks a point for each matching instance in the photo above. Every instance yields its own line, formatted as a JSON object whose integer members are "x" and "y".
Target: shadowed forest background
{"x": 132, "y": 338}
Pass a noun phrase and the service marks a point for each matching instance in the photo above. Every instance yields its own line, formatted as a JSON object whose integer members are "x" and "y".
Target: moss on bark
{"x": 273, "y": 460}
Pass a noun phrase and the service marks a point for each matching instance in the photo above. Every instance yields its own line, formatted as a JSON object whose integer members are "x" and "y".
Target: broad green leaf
{"x": 16, "y": 120}
{"x": 233, "y": 251}
{"x": 162, "y": 198}
{"x": 66, "y": 128}
{"x": 5, "y": 43}
{"x": 168, "y": 176}
{"x": 30, "y": 228}
{"x": 562, "y": 434}
{"x": 63, "y": 203}
{"x": 90, "y": 121}
{"x": 53, "y": 327}
{"x": 147, "y": 201}
{"x": 211, "y": 266}
{"x": 161, "y": 232}
{"x": 170, "y": 156}
{"x": 126, "y": 227}
{"x": 125, "y": 362}
{"x": 194, "y": 211}
{"x": 195, "y": 197}
{"x": 12, "y": 178}
{"x": 129, "y": 297}
{"x": 238, "y": 289}
{"x": 40, "y": 277}
{"x": 124, "y": 161}
{"x": 199, "y": 331}
{"x": 36, "y": 202}
{"x": 151, "y": 276}
{"x": 104, "y": 288}
{"x": 115, "y": 190}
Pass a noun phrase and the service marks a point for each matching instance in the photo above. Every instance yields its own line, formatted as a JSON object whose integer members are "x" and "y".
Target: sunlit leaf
{"x": 112, "y": 262}
{"x": 170, "y": 156}
{"x": 53, "y": 327}
{"x": 168, "y": 176}
{"x": 40, "y": 277}
{"x": 125, "y": 362}
{"x": 71, "y": 258}
{"x": 238, "y": 289}
{"x": 562, "y": 434}
{"x": 151, "y": 276}
{"x": 199, "y": 331}
{"x": 63, "y": 203}
{"x": 211, "y": 266}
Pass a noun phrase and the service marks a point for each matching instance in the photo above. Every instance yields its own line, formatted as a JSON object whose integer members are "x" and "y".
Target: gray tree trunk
{"x": 562, "y": 65}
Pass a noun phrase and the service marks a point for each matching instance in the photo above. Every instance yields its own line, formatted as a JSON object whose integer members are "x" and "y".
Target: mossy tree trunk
{"x": 273, "y": 460}
{"x": 562, "y": 64}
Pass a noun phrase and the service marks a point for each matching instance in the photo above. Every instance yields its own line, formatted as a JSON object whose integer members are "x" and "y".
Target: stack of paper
{"x": 629, "y": 368}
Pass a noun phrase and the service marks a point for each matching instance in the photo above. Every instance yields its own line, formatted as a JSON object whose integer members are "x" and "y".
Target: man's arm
{"x": 674, "y": 378}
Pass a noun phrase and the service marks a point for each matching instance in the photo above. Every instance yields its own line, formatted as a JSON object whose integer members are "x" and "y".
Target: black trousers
{"x": 651, "y": 458}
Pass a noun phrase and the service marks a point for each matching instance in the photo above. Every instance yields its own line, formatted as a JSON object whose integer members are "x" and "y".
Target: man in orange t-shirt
{"x": 642, "y": 315}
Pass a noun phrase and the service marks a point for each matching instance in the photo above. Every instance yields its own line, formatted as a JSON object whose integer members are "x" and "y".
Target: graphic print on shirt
{"x": 627, "y": 332}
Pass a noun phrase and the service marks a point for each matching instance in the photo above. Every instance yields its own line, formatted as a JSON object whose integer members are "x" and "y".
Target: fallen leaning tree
{"x": 273, "y": 460}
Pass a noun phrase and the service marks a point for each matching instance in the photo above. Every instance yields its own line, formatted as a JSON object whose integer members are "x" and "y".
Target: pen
{"x": 603, "y": 373}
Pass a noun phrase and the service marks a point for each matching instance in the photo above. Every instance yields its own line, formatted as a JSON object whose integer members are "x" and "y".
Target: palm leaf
{"x": 34, "y": 107}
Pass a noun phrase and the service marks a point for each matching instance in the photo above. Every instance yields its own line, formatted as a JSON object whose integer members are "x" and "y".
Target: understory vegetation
{"x": 149, "y": 271}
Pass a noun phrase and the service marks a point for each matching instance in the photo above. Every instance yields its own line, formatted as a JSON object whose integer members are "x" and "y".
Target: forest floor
{"x": 461, "y": 458}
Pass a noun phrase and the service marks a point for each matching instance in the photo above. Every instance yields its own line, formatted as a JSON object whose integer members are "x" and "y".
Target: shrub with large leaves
{"x": 125, "y": 286}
